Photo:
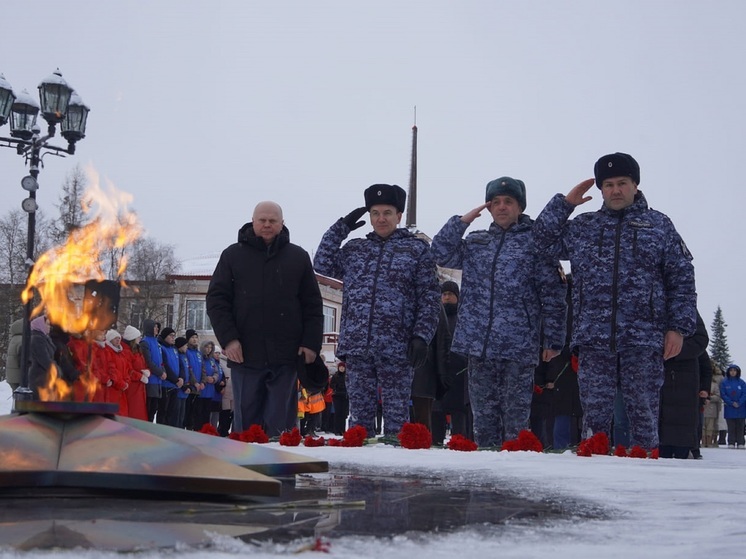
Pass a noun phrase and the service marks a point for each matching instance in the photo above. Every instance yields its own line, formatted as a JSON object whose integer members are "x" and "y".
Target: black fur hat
{"x": 616, "y": 165}
{"x": 390, "y": 194}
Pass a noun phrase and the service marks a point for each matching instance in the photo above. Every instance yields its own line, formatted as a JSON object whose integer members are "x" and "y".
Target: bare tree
{"x": 70, "y": 205}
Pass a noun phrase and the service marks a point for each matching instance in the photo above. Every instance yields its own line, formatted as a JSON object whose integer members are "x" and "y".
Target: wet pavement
{"x": 333, "y": 504}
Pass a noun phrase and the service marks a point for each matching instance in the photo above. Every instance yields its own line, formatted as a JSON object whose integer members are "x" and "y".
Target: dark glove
{"x": 351, "y": 219}
{"x": 417, "y": 352}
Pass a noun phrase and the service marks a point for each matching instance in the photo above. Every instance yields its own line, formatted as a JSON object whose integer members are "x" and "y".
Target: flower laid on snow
{"x": 354, "y": 436}
{"x": 620, "y": 450}
{"x": 254, "y": 434}
{"x": 310, "y": 441}
{"x": 637, "y": 452}
{"x": 415, "y": 435}
{"x": 597, "y": 444}
{"x": 208, "y": 429}
{"x": 290, "y": 438}
{"x": 459, "y": 442}
{"x": 526, "y": 441}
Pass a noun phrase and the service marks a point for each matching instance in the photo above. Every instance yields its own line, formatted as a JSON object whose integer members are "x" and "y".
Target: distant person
{"x": 118, "y": 370}
{"x": 389, "y": 306}
{"x": 680, "y": 397}
{"x": 139, "y": 374}
{"x": 187, "y": 386}
{"x": 733, "y": 393}
{"x": 171, "y": 385}
{"x": 41, "y": 356}
{"x": 509, "y": 292}
{"x": 151, "y": 352}
{"x": 713, "y": 409}
{"x": 634, "y": 296}
{"x": 452, "y": 370}
{"x": 338, "y": 384}
{"x": 13, "y": 370}
{"x": 265, "y": 307}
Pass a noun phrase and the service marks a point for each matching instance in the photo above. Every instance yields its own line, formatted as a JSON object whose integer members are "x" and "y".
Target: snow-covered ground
{"x": 653, "y": 508}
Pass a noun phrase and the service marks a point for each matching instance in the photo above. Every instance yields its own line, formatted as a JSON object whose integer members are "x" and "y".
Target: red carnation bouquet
{"x": 459, "y": 442}
{"x": 526, "y": 441}
{"x": 208, "y": 429}
{"x": 290, "y": 438}
{"x": 310, "y": 441}
{"x": 254, "y": 434}
{"x": 415, "y": 435}
{"x": 354, "y": 436}
{"x": 597, "y": 444}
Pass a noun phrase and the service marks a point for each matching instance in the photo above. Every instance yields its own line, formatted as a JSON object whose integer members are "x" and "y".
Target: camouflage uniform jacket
{"x": 633, "y": 278}
{"x": 390, "y": 291}
{"x": 508, "y": 291}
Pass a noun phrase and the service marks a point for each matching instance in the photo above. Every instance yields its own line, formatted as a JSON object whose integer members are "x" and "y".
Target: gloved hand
{"x": 144, "y": 378}
{"x": 145, "y": 372}
{"x": 351, "y": 219}
{"x": 417, "y": 352}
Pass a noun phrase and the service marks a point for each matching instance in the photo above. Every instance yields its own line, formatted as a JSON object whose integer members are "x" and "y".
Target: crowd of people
{"x": 616, "y": 347}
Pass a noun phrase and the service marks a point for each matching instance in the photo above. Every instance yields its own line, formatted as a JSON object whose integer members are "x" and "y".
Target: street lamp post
{"x": 59, "y": 104}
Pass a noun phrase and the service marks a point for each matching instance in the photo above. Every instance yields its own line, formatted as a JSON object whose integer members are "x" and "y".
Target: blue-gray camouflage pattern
{"x": 364, "y": 375}
{"x": 509, "y": 292}
{"x": 500, "y": 393}
{"x": 633, "y": 278}
{"x": 390, "y": 291}
{"x": 638, "y": 373}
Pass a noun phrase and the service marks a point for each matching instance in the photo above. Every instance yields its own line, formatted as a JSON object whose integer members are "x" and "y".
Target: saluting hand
{"x": 577, "y": 196}
{"x": 468, "y": 217}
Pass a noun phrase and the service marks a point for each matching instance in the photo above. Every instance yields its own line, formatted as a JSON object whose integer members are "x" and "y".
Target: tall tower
{"x": 411, "y": 223}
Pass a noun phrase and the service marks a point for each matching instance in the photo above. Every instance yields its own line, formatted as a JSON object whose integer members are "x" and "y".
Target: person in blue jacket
{"x": 509, "y": 294}
{"x": 733, "y": 393}
{"x": 151, "y": 351}
{"x": 390, "y": 306}
{"x": 634, "y": 296}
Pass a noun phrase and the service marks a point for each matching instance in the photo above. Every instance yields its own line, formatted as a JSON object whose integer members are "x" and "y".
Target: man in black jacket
{"x": 265, "y": 307}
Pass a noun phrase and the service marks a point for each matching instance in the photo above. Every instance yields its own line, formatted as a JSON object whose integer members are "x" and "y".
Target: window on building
{"x": 196, "y": 316}
{"x": 137, "y": 315}
{"x": 170, "y": 316}
{"x": 330, "y": 319}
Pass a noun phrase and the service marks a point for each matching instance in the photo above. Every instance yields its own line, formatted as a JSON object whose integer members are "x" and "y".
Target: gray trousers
{"x": 500, "y": 393}
{"x": 265, "y": 396}
{"x": 364, "y": 374}
{"x": 638, "y": 373}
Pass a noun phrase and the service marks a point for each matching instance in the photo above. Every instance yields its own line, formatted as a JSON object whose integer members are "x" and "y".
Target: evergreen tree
{"x": 719, "y": 351}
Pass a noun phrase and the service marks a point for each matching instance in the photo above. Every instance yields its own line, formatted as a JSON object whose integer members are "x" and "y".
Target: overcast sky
{"x": 201, "y": 109}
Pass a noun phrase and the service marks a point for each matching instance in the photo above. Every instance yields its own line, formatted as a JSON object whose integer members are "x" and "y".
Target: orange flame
{"x": 59, "y": 273}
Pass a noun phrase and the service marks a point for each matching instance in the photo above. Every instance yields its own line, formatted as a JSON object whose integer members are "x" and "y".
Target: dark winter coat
{"x": 266, "y": 297}
{"x": 338, "y": 384}
{"x": 41, "y": 350}
{"x": 451, "y": 367}
{"x": 733, "y": 389}
{"x": 679, "y": 410}
{"x": 390, "y": 292}
{"x": 633, "y": 276}
{"x": 507, "y": 290}
{"x": 13, "y": 371}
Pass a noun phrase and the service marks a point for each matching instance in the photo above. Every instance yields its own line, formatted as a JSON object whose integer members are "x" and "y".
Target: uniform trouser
{"x": 265, "y": 396}
{"x": 364, "y": 374}
{"x": 638, "y": 373}
{"x": 500, "y": 393}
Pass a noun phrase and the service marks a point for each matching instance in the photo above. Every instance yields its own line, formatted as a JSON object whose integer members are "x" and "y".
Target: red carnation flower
{"x": 310, "y": 441}
{"x": 637, "y": 452}
{"x": 334, "y": 442}
{"x": 526, "y": 441}
{"x": 620, "y": 451}
{"x": 254, "y": 434}
{"x": 574, "y": 362}
{"x": 290, "y": 438}
{"x": 208, "y": 429}
{"x": 538, "y": 389}
{"x": 654, "y": 454}
{"x": 459, "y": 442}
{"x": 354, "y": 436}
{"x": 415, "y": 435}
{"x": 597, "y": 444}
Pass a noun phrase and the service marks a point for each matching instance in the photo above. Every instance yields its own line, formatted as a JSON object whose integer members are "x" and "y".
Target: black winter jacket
{"x": 267, "y": 297}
